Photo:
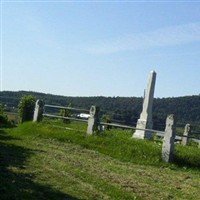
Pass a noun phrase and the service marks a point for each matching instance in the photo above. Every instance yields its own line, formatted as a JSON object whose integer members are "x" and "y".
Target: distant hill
{"x": 125, "y": 109}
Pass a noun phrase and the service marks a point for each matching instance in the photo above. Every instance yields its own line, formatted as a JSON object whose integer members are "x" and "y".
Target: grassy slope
{"x": 38, "y": 161}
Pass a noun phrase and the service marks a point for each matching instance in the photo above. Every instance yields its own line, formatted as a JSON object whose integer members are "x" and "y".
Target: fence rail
{"x": 60, "y": 117}
{"x": 131, "y": 127}
{"x": 68, "y": 108}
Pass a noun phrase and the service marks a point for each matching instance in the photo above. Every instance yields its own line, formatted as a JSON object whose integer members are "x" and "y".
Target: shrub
{"x": 4, "y": 122}
{"x": 26, "y": 108}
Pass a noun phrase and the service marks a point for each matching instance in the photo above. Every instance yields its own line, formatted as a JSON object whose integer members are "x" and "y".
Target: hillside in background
{"x": 121, "y": 109}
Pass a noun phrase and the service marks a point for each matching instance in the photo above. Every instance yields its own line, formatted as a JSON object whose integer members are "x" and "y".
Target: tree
{"x": 26, "y": 108}
{"x": 3, "y": 117}
{"x": 106, "y": 118}
{"x": 66, "y": 113}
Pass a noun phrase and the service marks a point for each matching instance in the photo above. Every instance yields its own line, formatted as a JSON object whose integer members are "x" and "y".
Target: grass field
{"x": 13, "y": 117}
{"x": 44, "y": 161}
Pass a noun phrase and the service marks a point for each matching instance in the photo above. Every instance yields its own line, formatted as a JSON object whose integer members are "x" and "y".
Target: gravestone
{"x": 186, "y": 134}
{"x": 145, "y": 120}
{"x": 93, "y": 120}
{"x": 169, "y": 139}
{"x": 38, "y": 112}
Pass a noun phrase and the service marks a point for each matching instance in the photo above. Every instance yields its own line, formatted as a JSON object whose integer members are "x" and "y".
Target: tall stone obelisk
{"x": 145, "y": 121}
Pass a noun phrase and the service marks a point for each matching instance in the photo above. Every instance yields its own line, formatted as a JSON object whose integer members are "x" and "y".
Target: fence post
{"x": 38, "y": 112}
{"x": 186, "y": 134}
{"x": 169, "y": 139}
{"x": 93, "y": 120}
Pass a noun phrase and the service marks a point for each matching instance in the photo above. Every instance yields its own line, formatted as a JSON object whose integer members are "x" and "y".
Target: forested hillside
{"x": 124, "y": 109}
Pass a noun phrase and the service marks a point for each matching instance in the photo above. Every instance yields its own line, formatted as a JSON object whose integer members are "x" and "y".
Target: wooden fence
{"x": 100, "y": 124}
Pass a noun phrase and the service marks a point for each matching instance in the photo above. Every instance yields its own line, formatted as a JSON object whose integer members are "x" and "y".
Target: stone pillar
{"x": 169, "y": 139}
{"x": 186, "y": 133}
{"x": 145, "y": 121}
{"x": 38, "y": 112}
{"x": 93, "y": 120}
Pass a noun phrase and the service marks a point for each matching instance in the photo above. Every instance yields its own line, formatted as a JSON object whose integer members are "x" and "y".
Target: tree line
{"x": 124, "y": 110}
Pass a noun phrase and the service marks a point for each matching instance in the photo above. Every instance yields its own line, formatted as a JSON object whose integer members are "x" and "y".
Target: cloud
{"x": 169, "y": 36}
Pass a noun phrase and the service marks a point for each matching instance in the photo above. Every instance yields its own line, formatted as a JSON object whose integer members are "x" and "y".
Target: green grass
{"x": 43, "y": 161}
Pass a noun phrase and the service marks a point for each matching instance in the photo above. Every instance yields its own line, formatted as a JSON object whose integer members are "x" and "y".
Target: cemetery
{"x": 99, "y": 100}
{"x": 65, "y": 156}
{"x": 143, "y": 129}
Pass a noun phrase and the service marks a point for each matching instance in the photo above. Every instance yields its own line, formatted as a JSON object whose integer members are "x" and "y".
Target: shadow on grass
{"x": 21, "y": 185}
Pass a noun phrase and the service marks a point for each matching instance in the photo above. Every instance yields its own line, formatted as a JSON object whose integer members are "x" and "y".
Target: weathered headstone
{"x": 38, "y": 112}
{"x": 186, "y": 134}
{"x": 169, "y": 139}
{"x": 145, "y": 120}
{"x": 93, "y": 120}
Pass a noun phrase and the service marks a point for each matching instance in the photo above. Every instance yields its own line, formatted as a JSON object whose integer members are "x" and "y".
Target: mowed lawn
{"x": 42, "y": 161}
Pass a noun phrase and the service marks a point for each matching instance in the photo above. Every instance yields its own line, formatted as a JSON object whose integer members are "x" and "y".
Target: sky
{"x": 100, "y": 48}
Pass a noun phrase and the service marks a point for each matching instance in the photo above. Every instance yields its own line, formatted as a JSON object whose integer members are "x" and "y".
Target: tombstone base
{"x": 142, "y": 134}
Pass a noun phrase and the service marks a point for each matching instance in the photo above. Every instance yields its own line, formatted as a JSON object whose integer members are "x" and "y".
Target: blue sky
{"x": 85, "y": 48}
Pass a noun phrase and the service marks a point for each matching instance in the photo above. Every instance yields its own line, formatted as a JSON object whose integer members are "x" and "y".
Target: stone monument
{"x": 169, "y": 139}
{"x": 145, "y": 120}
{"x": 93, "y": 120}
{"x": 38, "y": 112}
{"x": 186, "y": 133}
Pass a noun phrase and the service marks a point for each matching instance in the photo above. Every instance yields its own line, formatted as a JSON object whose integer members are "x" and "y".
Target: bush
{"x": 4, "y": 122}
{"x": 26, "y": 108}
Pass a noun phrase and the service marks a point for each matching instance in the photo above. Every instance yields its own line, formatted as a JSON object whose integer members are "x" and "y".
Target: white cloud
{"x": 170, "y": 36}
